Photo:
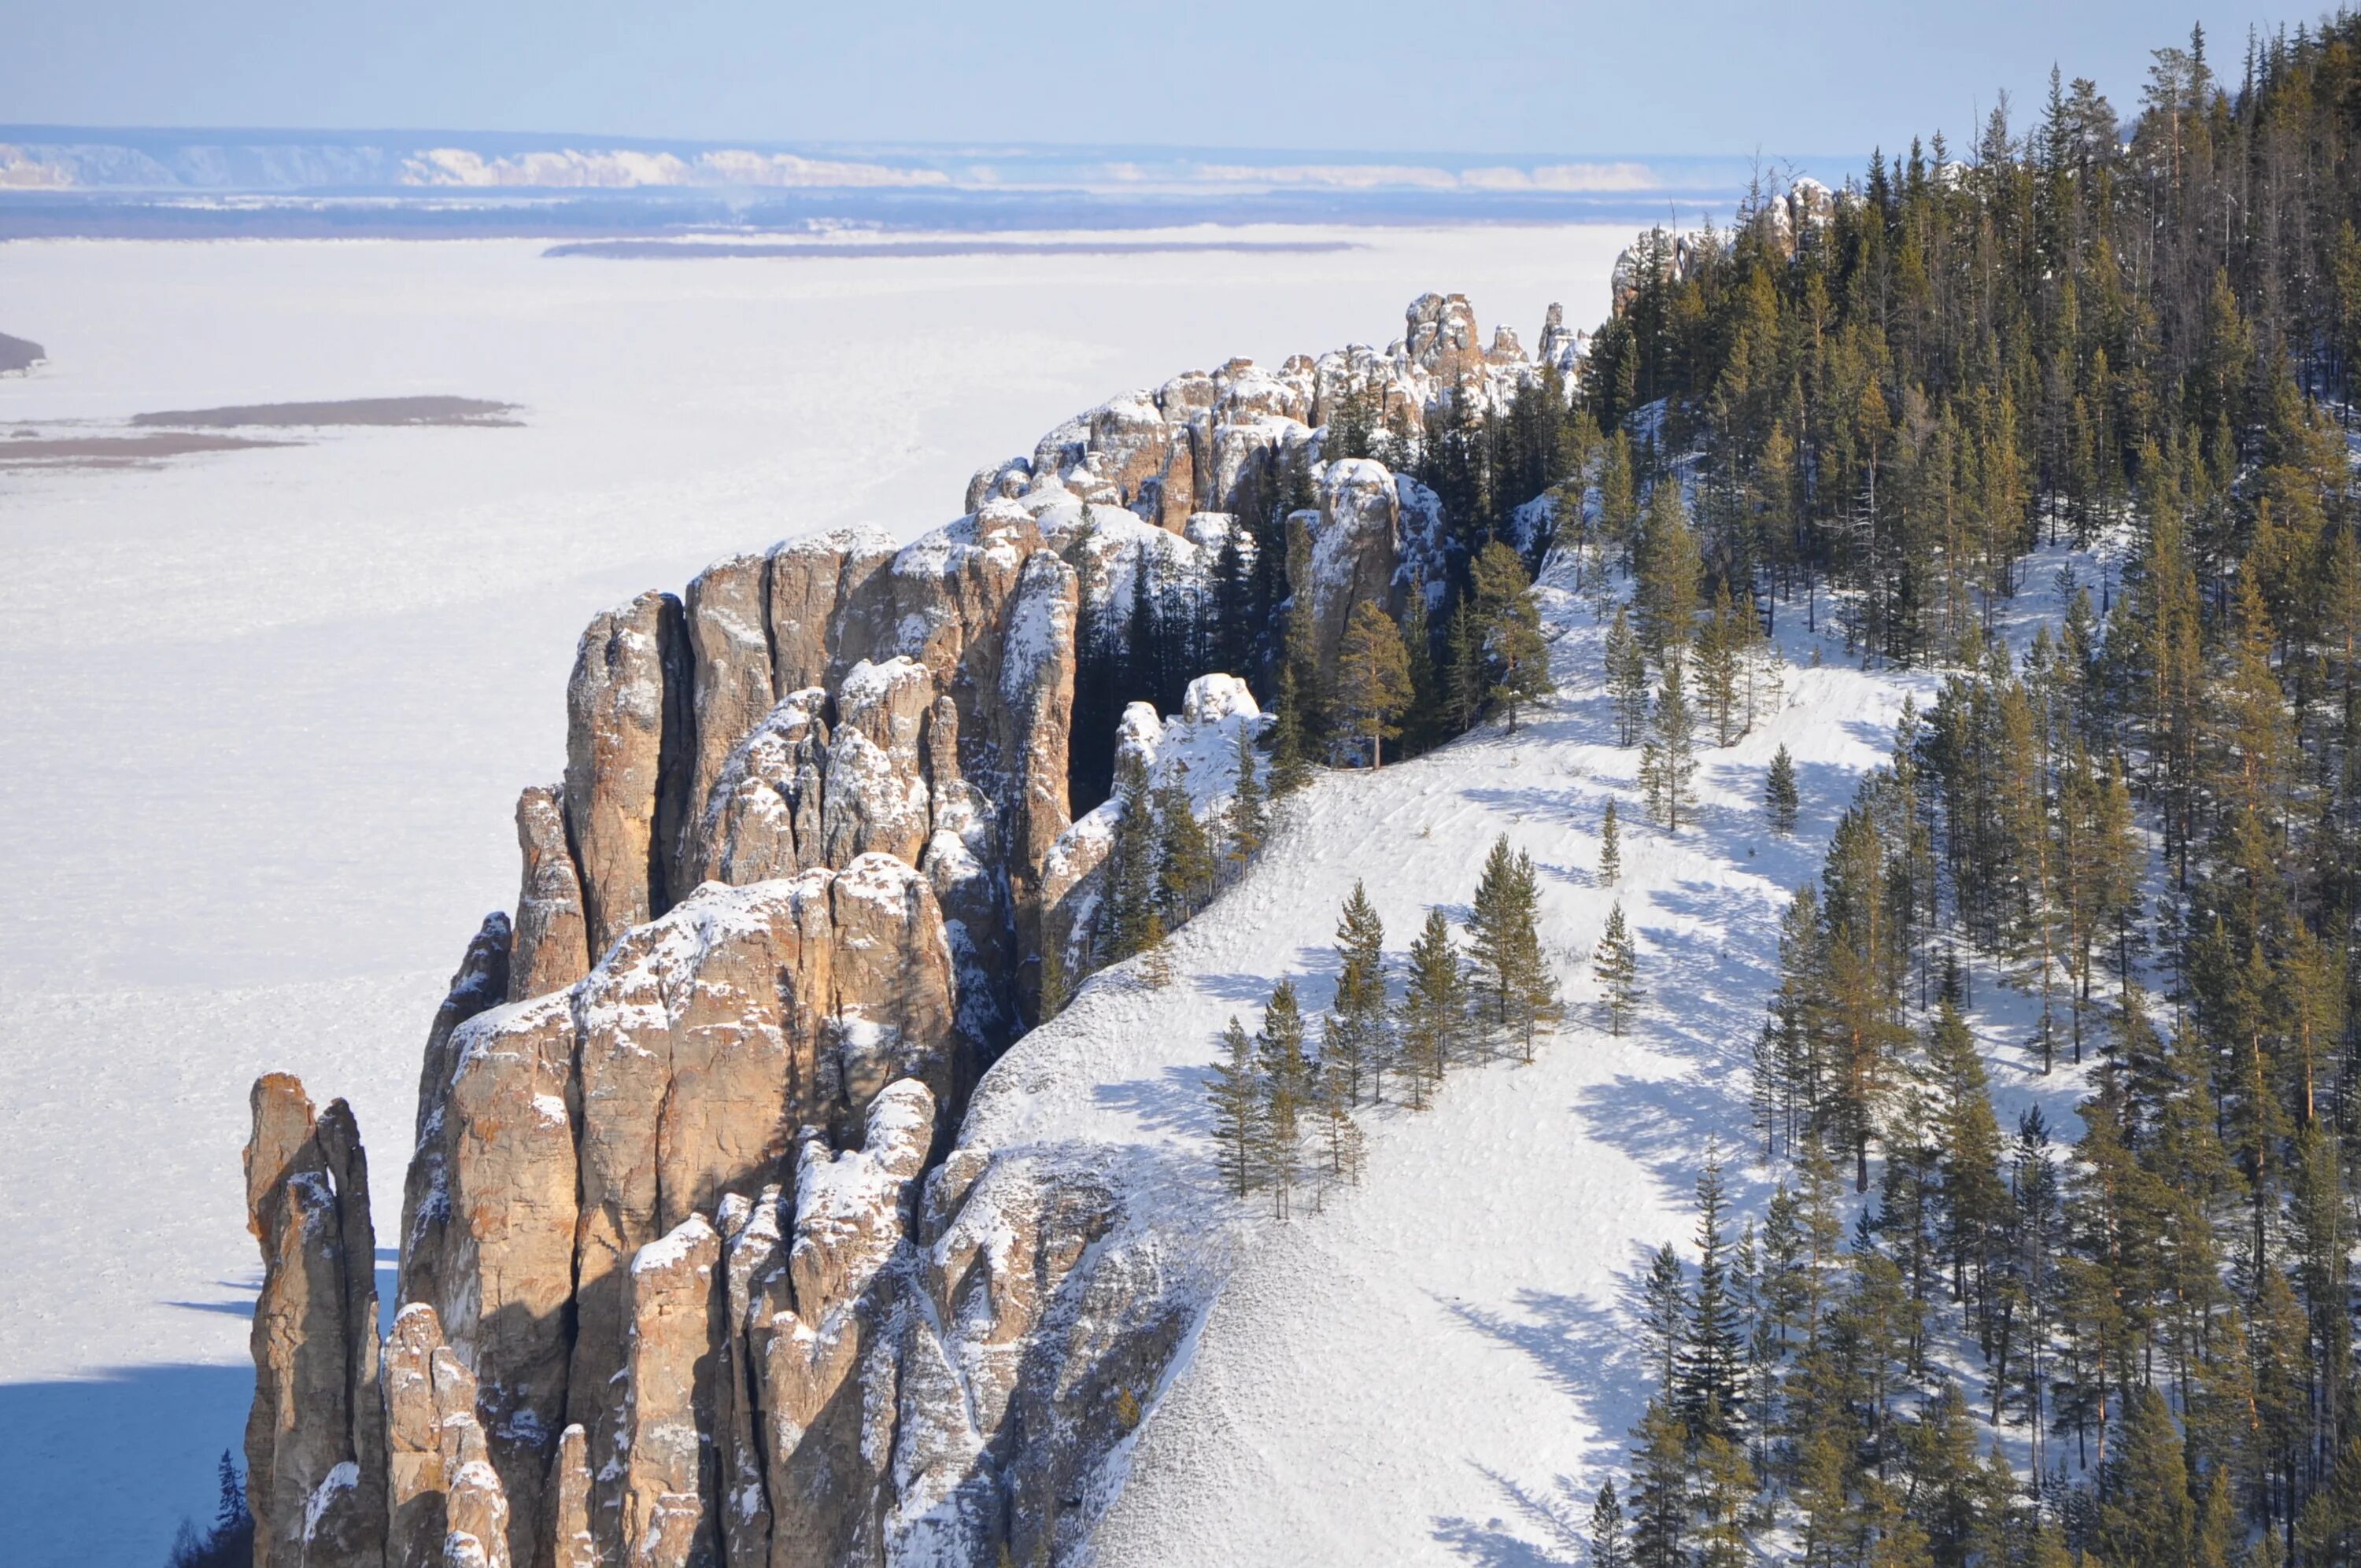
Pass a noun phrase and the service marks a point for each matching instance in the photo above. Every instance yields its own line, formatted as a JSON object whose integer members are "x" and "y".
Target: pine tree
{"x": 1511, "y": 627}
{"x": 1467, "y": 677}
{"x": 1373, "y": 677}
{"x": 1356, "y": 1028}
{"x": 1249, "y": 818}
{"x": 1056, "y": 987}
{"x": 1708, "y": 1394}
{"x": 1435, "y": 1006}
{"x": 1668, "y": 762}
{"x": 1130, "y": 899}
{"x": 1290, "y": 740}
{"x": 1780, "y": 801}
{"x": 1627, "y": 679}
{"x": 1285, "y": 1081}
{"x": 1185, "y": 872}
{"x": 1664, "y": 1316}
{"x": 2146, "y": 1514}
{"x": 1718, "y": 653}
{"x": 1423, "y": 723}
{"x": 1492, "y": 935}
{"x": 1340, "y": 1134}
{"x": 1610, "y": 847}
{"x": 1155, "y": 968}
{"x": 1660, "y": 1492}
{"x": 1670, "y": 573}
{"x": 1237, "y": 1097}
{"x": 1615, "y": 963}
{"x": 1609, "y": 1549}
{"x": 1724, "y": 1498}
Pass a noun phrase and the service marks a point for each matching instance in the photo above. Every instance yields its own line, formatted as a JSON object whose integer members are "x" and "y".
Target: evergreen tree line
{"x": 1285, "y": 1114}
{"x": 2134, "y": 1347}
{"x": 1972, "y": 353}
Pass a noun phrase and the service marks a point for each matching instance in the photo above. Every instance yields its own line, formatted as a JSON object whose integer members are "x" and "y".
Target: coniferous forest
{"x": 2129, "y": 1342}
{"x": 1948, "y": 1341}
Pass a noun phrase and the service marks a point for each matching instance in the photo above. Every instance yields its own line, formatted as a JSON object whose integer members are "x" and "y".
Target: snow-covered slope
{"x": 1434, "y": 1364}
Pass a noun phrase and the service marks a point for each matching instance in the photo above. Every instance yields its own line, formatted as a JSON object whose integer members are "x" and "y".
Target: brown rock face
{"x": 553, "y": 939}
{"x": 825, "y": 613}
{"x": 1441, "y": 333}
{"x": 1355, "y": 546}
{"x": 730, "y": 674}
{"x": 763, "y": 816}
{"x": 667, "y": 1493}
{"x": 875, "y": 799}
{"x": 314, "y": 1444}
{"x": 571, "y": 1543}
{"x": 627, "y": 761}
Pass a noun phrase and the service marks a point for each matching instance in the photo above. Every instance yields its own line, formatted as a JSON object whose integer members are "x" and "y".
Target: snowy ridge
{"x": 1435, "y": 1364}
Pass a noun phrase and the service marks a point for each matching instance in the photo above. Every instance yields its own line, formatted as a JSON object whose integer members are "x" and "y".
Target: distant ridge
{"x": 84, "y": 181}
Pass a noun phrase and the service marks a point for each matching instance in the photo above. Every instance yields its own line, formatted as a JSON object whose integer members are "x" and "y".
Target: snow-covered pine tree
{"x": 1610, "y": 847}
{"x": 1616, "y": 962}
{"x": 1627, "y": 679}
{"x": 1668, "y": 763}
{"x": 1780, "y": 800}
{"x": 1466, "y": 677}
{"x": 1236, "y": 1098}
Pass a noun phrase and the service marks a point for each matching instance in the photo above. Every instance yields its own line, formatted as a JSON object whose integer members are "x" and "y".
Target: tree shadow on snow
{"x": 116, "y": 1459}
{"x": 1554, "y": 1515}
{"x": 1173, "y": 1102}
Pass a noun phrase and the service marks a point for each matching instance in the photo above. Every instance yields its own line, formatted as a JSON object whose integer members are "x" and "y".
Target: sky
{"x": 1484, "y": 76}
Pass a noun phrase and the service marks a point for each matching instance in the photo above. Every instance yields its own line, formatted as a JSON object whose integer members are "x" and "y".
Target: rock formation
{"x": 708, "y": 1253}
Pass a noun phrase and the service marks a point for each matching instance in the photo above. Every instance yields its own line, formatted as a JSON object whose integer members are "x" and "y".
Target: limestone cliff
{"x": 698, "y": 1265}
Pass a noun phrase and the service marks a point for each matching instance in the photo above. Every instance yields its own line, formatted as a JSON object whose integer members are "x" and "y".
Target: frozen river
{"x": 265, "y": 711}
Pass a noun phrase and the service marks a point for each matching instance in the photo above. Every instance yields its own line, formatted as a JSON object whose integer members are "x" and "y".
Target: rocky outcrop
{"x": 731, "y": 683}
{"x": 442, "y": 1490}
{"x": 315, "y": 1442}
{"x": 627, "y": 750}
{"x": 695, "y": 1268}
{"x": 553, "y": 937}
{"x": 1442, "y": 337}
{"x": 1351, "y": 546}
{"x": 763, "y": 816}
{"x": 664, "y": 1485}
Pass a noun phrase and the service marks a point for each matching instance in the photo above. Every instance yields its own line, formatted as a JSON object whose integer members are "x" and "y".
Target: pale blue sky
{"x": 1508, "y": 76}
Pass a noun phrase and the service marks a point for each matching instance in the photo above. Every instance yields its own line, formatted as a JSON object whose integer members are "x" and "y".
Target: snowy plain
{"x": 267, "y": 712}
